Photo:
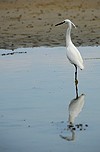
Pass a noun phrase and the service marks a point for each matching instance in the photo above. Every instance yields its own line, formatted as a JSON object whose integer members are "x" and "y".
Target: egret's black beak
{"x": 60, "y": 23}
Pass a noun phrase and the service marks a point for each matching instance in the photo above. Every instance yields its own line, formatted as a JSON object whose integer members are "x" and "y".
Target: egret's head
{"x": 67, "y": 21}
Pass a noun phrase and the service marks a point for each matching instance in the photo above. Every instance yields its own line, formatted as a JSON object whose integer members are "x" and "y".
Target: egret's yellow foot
{"x": 76, "y": 81}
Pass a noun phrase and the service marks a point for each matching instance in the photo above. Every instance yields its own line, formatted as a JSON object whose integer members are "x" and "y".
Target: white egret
{"x": 73, "y": 54}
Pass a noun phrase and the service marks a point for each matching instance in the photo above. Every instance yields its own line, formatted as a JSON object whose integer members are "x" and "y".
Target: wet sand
{"x": 31, "y": 23}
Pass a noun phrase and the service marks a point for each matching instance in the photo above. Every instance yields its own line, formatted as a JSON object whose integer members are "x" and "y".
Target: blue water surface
{"x": 36, "y": 91}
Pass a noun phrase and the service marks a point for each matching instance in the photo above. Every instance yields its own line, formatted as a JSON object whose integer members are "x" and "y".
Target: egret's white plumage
{"x": 74, "y": 56}
{"x": 72, "y": 53}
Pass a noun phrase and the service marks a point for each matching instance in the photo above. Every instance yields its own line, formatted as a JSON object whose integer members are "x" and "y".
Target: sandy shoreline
{"x": 31, "y": 23}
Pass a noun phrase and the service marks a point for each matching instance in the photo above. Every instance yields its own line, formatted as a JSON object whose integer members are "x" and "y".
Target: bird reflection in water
{"x": 75, "y": 107}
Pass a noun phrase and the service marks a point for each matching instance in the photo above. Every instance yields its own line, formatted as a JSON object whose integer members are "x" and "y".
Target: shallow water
{"x": 36, "y": 90}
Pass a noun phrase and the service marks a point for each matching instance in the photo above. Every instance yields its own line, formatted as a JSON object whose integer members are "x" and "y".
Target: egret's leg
{"x": 76, "y": 80}
{"x": 76, "y": 90}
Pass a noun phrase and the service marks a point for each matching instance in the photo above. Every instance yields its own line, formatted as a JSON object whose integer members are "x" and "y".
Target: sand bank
{"x": 31, "y": 23}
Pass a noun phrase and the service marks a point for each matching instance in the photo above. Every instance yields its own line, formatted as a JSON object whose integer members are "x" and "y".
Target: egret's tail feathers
{"x": 81, "y": 67}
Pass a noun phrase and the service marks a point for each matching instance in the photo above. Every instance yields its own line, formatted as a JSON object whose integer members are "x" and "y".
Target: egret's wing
{"x": 74, "y": 56}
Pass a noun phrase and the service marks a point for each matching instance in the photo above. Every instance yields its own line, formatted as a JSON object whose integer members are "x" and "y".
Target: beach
{"x": 32, "y": 23}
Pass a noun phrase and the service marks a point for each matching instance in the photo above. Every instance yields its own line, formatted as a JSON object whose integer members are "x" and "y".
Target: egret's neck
{"x": 68, "y": 37}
